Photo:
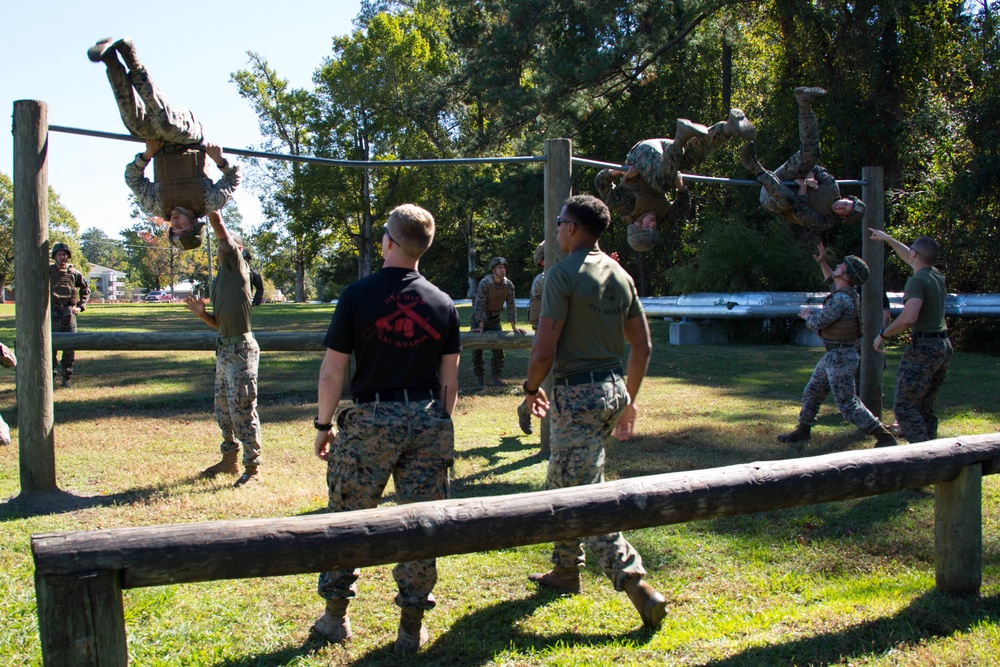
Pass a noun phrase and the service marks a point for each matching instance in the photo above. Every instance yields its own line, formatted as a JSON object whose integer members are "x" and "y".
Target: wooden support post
{"x": 81, "y": 620}
{"x": 873, "y": 252}
{"x": 31, "y": 275}
{"x": 558, "y": 184}
{"x": 958, "y": 532}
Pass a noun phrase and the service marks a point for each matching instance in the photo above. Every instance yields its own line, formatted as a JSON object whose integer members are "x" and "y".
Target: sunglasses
{"x": 560, "y": 220}
{"x": 385, "y": 230}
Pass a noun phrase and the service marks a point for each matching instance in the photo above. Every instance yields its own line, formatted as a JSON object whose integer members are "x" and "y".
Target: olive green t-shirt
{"x": 231, "y": 292}
{"x": 594, "y": 296}
{"x": 927, "y": 284}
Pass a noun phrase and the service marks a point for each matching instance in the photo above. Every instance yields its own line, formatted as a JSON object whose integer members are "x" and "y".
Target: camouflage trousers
{"x": 583, "y": 417}
{"x": 777, "y": 197}
{"x": 415, "y": 444}
{"x": 147, "y": 113}
{"x": 659, "y": 160}
{"x": 836, "y": 371}
{"x": 496, "y": 363}
{"x": 236, "y": 399}
{"x": 63, "y": 321}
{"x": 918, "y": 380}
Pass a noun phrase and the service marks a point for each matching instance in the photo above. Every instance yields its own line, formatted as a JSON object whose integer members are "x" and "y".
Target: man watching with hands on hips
{"x": 589, "y": 308}
{"x": 404, "y": 333}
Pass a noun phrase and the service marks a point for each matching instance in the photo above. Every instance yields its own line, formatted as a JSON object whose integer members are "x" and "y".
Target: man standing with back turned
{"x": 925, "y": 362}
{"x": 589, "y": 308}
{"x": 404, "y": 333}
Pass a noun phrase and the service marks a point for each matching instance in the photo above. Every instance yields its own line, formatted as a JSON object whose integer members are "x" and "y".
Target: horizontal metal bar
{"x": 318, "y": 160}
{"x": 696, "y": 177}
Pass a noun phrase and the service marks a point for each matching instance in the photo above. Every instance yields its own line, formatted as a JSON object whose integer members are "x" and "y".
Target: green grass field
{"x": 848, "y": 583}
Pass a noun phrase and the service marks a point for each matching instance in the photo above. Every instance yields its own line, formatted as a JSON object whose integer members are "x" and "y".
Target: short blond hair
{"x": 412, "y": 227}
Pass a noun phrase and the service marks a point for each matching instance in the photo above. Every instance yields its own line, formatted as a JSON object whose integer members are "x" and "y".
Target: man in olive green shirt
{"x": 925, "y": 362}
{"x": 236, "y": 358}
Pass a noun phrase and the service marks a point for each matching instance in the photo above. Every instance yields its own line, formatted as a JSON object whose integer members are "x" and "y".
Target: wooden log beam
{"x": 270, "y": 341}
{"x": 171, "y": 554}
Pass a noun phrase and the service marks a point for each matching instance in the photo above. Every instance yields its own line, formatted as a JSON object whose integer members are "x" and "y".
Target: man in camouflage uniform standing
{"x": 237, "y": 357}
{"x": 70, "y": 291}
{"x": 589, "y": 308}
{"x": 838, "y": 322}
{"x": 654, "y": 171}
{"x": 404, "y": 333}
{"x": 925, "y": 362}
{"x": 493, "y": 292}
{"x": 817, "y": 205}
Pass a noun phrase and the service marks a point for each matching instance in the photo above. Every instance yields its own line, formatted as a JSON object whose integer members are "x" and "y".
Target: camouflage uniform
{"x": 146, "y": 112}
{"x": 837, "y": 368}
{"x": 69, "y": 288}
{"x": 237, "y": 359}
{"x": 147, "y": 193}
{"x": 813, "y": 210}
{"x": 659, "y": 160}
{"x": 535, "y": 299}
{"x": 583, "y": 417}
{"x": 487, "y": 290}
{"x": 414, "y": 443}
{"x": 924, "y": 365}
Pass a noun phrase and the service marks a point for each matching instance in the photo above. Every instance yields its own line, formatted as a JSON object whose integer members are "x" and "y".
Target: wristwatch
{"x": 321, "y": 427}
{"x": 528, "y": 392}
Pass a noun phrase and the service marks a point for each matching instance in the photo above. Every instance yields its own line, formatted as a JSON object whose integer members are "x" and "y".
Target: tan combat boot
{"x": 805, "y": 96}
{"x": 802, "y": 433}
{"x": 883, "y": 437}
{"x": 564, "y": 579}
{"x": 251, "y": 474}
{"x": 126, "y": 49}
{"x": 737, "y": 125}
{"x": 412, "y": 634}
{"x": 651, "y": 605}
{"x": 333, "y": 625}
{"x": 229, "y": 465}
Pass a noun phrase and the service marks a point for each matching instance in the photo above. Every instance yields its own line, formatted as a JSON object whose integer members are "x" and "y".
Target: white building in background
{"x": 109, "y": 282}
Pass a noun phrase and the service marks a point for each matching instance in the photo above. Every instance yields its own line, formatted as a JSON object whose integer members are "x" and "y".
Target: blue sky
{"x": 190, "y": 49}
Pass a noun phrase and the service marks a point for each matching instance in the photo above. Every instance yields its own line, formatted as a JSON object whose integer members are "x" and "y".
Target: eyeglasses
{"x": 560, "y": 220}
{"x": 385, "y": 230}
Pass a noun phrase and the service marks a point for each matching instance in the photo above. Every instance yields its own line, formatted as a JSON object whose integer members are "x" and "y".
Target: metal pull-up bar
{"x": 315, "y": 160}
{"x": 696, "y": 177}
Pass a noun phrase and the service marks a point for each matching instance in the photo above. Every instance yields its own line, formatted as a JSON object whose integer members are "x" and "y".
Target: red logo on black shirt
{"x": 404, "y": 327}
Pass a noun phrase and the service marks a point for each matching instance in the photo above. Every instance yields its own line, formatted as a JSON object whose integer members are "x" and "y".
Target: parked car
{"x": 159, "y": 296}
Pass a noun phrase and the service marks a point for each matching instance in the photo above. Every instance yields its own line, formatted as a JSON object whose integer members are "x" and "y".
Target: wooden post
{"x": 958, "y": 532}
{"x": 558, "y": 184}
{"x": 873, "y": 252}
{"x": 81, "y": 620}
{"x": 31, "y": 275}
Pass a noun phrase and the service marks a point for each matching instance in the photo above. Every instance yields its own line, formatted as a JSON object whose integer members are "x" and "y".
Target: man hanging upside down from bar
{"x": 181, "y": 193}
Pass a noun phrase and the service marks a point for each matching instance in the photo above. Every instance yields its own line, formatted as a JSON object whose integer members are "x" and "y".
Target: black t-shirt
{"x": 398, "y": 325}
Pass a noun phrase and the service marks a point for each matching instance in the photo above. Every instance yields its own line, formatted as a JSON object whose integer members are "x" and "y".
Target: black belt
{"x": 590, "y": 377}
{"x": 834, "y": 344}
{"x": 397, "y": 396}
{"x": 922, "y": 334}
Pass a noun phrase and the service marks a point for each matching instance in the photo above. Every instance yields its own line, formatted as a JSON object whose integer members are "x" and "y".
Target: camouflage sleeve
{"x": 219, "y": 193}
{"x": 146, "y": 193}
{"x": 536, "y": 286}
{"x": 511, "y": 306}
{"x": 825, "y": 179}
{"x": 84, "y": 286}
{"x": 479, "y": 303}
{"x": 834, "y": 308}
{"x": 618, "y": 200}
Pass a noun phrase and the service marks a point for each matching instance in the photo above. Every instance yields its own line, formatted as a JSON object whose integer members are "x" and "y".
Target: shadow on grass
{"x": 933, "y": 615}
{"x": 61, "y": 502}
